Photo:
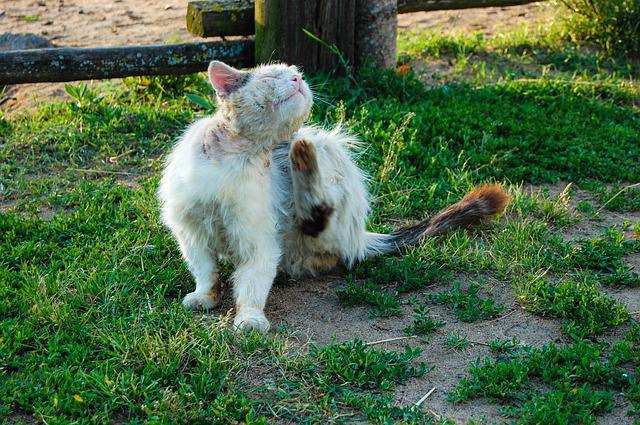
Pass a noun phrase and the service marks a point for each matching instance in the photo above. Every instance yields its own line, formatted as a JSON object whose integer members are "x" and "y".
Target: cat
{"x": 252, "y": 185}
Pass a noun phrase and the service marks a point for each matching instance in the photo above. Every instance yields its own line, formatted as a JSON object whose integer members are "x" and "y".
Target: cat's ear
{"x": 225, "y": 78}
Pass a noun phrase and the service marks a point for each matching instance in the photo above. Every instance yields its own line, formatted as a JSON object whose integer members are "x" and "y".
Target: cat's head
{"x": 270, "y": 101}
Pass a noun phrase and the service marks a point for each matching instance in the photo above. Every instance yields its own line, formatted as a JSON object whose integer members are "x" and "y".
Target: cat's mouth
{"x": 297, "y": 92}
{"x": 301, "y": 90}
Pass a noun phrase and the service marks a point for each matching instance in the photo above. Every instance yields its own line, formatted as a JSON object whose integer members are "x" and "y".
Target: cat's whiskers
{"x": 322, "y": 100}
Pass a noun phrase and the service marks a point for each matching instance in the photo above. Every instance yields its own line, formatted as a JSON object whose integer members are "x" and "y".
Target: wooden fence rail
{"x": 70, "y": 64}
{"x": 410, "y": 6}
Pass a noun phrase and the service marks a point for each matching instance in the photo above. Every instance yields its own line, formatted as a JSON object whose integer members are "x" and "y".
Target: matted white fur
{"x": 227, "y": 191}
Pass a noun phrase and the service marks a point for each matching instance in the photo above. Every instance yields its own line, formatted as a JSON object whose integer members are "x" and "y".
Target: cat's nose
{"x": 296, "y": 80}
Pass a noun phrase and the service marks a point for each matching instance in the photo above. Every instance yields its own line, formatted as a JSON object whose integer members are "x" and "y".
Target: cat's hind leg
{"x": 312, "y": 205}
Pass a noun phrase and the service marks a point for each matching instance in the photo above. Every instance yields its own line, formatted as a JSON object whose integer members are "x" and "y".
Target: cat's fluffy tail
{"x": 479, "y": 204}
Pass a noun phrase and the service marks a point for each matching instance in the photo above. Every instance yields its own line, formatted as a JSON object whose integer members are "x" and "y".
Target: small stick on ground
{"x": 617, "y": 194}
{"x": 398, "y": 338}
{"x": 479, "y": 343}
{"x": 503, "y": 316}
{"x": 419, "y": 402}
{"x": 85, "y": 170}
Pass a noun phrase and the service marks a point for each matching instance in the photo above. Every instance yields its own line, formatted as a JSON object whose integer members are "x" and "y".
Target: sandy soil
{"x": 99, "y": 23}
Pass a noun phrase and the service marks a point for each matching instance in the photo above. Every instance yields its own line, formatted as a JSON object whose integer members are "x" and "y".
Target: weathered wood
{"x": 376, "y": 31}
{"x": 279, "y": 28}
{"x": 410, "y": 6}
{"x": 209, "y": 18}
{"x": 70, "y": 64}
{"x": 220, "y": 17}
{"x": 269, "y": 28}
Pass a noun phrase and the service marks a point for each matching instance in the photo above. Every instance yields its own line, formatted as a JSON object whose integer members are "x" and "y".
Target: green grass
{"x": 91, "y": 328}
{"x": 581, "y": 377}
{"x": 468, "y": 305}
{"x": 579, "y": 303}
{"x": 385, "y": 304}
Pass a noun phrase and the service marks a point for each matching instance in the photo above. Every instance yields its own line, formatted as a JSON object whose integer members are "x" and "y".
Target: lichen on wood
{"x": 220, "y": 17}
{"x": 70, "y": 64}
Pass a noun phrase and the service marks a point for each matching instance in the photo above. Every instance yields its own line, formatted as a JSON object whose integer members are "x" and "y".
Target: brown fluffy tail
{"x": 481, "y": 203}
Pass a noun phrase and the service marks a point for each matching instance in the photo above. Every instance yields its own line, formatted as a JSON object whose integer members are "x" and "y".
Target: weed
{"x": 504, "y": 346}
{"x": 616, "y": 197}
{"x": 206, "y": 102}
{"x": 355, "y": 364}
{"x": 603, "y": 255}
{"x": 456, "y": 341}
{"x": 422, "y": 323}
{"x": 611, "y": 24}
{"x": 348, "y": 374}
{"x": 583, "y": 308}
{"x": 384, "y": 303}
{"x": 468, "y": 305}
{"x": 408, "y": 273}
{"x": 581, "y": 378}
{"x": 31, "y": 18}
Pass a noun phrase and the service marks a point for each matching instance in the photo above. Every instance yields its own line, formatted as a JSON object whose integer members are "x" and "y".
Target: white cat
{"x": 252, "y": 185}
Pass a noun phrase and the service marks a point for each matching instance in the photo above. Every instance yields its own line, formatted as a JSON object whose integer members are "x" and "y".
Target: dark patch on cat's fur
{"x": 315, "y": 224}
{"x": 242, "y": 79}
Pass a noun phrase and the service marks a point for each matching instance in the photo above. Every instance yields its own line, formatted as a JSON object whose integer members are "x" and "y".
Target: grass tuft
{"x": 468, "y": 305}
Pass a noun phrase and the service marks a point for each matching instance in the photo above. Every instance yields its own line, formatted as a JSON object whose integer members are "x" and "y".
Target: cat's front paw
{"x": 251, "y": 319}
{"x": 200, "y": 300}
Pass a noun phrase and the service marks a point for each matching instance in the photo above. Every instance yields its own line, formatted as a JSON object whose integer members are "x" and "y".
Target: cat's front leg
{"x": 258, "y": 252}
{"x": 203, "y": 267}
{"x": 252, "y": 283}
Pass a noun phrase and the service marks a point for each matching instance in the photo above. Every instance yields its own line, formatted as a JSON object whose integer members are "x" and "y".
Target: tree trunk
{"x": 279, "y": 35}
{"x": 376, "y": 32}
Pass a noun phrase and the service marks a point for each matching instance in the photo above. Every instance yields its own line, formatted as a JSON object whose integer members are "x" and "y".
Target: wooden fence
{"x": 360, "y": 29}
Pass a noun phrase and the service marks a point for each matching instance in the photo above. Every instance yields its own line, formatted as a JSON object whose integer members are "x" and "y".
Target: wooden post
{"x": 279, "y": 35}
{"x": 222, "y": 17}
{"x": 376, "y": 32}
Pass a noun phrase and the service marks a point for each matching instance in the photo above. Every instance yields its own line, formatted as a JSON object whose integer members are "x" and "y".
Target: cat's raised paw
{"x": 303, "y": 156}
{"x": 200, "y": 300}
{"x": 251, "y": 319}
